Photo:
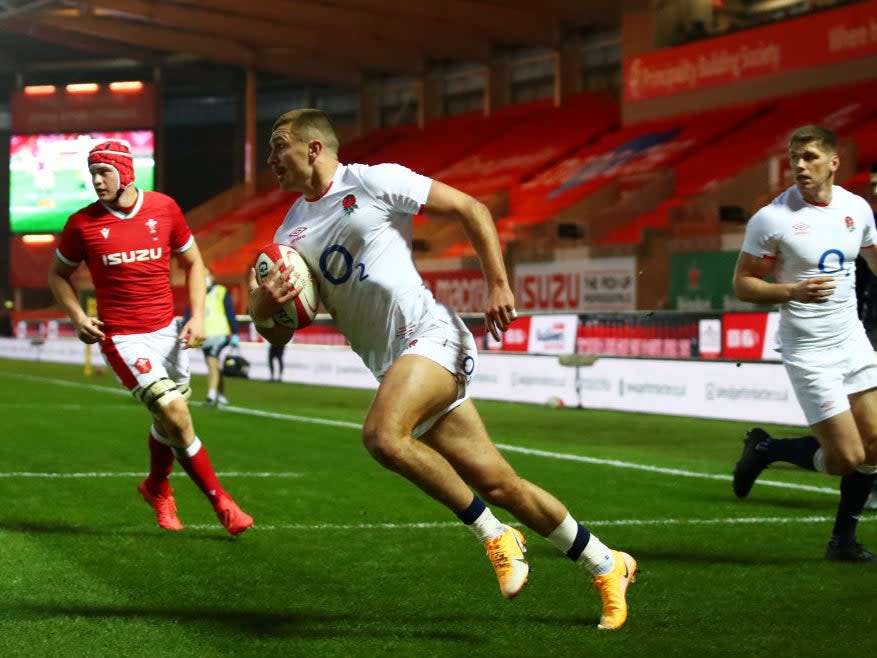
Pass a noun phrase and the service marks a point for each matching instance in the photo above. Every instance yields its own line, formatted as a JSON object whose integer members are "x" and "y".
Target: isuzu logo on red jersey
{"x": 133, "y": 256}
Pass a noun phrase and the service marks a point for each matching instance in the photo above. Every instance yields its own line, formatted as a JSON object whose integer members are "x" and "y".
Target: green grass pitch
{"x": 347, "y": 559}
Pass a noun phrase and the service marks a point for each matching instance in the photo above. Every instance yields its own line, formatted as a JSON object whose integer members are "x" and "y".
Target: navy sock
{"x": 854, "y": 490}
{"x": 579, "y": 544}
{"x": 797, "y": 451}
{"x": 471, "y": 513}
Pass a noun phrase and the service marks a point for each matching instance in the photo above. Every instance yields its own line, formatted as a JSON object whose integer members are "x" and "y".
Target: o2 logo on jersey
{"x": 832, "y": 261}
{"x": 133, "y": 256}
{"x": 345, "y": 260}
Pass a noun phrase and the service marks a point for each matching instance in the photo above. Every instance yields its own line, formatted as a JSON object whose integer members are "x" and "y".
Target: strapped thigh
{"x": 160, "y": 393}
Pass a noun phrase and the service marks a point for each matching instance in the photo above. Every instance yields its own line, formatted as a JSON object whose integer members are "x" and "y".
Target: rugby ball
{"x": 299, "y": 311}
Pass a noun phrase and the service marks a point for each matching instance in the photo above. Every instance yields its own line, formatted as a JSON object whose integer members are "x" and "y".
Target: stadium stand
{"x": 517, "y": 153}
{"x": 234, "y": 238}
{"x": 865, "y": 137}
{"x": 538, "y": 167}
{"x": 611, "y": 181}
{"x": 719, "y": 162}
{"x": 732, "y": 171}
{"x": 445, "y": 141}
{"x": 547, "y": 135}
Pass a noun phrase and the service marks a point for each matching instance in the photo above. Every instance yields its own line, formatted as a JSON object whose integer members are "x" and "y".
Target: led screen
{"x": 49, "y": 179}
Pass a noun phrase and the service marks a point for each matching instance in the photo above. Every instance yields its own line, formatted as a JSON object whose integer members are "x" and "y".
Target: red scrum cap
{"x": 117, "y": 156}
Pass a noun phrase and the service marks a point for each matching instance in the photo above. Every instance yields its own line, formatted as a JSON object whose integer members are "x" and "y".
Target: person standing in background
{"x": 220, "y": 330}
{"x": 275, "y": 354}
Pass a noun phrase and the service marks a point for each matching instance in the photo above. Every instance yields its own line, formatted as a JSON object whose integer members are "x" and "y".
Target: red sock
{"x": 201, "y": 471}
{"x": 161, "y": 463}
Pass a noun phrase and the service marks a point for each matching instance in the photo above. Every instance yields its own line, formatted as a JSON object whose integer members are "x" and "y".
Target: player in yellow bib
{"x": 220, "y": 331}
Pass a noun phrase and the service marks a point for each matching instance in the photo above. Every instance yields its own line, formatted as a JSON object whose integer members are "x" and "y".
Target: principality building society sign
{"x": 826, "y": 37}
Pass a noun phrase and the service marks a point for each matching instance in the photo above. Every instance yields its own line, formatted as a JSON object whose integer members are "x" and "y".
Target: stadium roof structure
{"x": 341, "y": 43}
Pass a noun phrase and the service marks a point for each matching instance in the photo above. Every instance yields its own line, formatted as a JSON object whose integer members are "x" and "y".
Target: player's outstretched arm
{"x": 88, "y": 330}
{"x": 448, "y": 201}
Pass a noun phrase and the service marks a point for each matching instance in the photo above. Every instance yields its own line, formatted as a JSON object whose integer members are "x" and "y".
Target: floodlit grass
{"x": 347, "y": 559}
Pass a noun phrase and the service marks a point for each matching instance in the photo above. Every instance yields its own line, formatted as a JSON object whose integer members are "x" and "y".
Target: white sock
{"x": 161, "y": 438}
{"x": 193, "y": 448}
{"x": 486, "y": 526}
{"x": 187, "y": 453}
{"x": 565, "y": 534}
{"x": 211, "y": 395}
{"x": 597, "y": 557}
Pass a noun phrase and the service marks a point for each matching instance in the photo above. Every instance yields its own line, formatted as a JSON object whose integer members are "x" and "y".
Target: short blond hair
{"x": 310, "y": 124}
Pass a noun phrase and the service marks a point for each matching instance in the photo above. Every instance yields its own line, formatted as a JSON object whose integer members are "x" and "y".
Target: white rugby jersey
{"x": 355, "y": 239}
{"x": 810, "y": 240}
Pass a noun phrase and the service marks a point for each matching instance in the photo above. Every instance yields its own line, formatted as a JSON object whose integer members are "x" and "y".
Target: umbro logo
{"x": 800, "y": 228}
{"x": 105, "y": 232}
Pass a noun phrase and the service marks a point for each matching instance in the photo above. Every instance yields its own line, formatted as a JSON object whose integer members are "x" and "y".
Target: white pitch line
{"x": 444, "y": 525}
{"x": 555, "y": 455}
{"x": 282, "y": 416}
{"x": 615, "y": 463}
{"x": 73, "y": 476}
{"x": 114, "y": 390}
{"x": 658, "y": 469}
{"x": 65, "y": 407}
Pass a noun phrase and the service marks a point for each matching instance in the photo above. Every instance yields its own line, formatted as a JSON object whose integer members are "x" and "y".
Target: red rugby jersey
{"x": 128, "y": 255}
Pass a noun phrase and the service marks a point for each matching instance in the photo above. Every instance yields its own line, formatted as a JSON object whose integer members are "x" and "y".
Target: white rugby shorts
{"x": 449, "y": 343}
{"x": 824, "y": 378}
{"x": 141, "y": 359}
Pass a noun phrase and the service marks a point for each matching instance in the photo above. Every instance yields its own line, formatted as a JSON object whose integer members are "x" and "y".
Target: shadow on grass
{"x": 63, "y": 528}
{"x": 295, "y": 623}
